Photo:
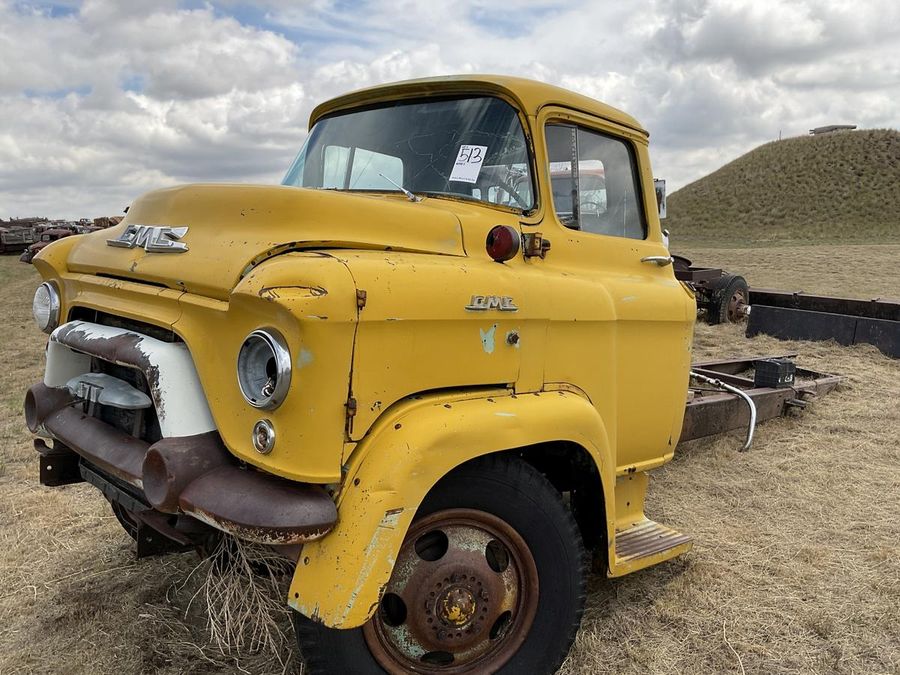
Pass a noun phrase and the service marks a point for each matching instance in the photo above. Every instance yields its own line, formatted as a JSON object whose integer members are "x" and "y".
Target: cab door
{"x": 623, "y": 332}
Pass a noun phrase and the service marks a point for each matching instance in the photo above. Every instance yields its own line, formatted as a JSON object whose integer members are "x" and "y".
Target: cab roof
{"x": 529, "y": 94}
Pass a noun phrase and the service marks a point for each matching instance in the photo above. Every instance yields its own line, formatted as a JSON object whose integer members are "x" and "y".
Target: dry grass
{"x": 860, "y": 270}
{"x": 243, "y": 594}
{"x": 72, "y": 597}
{"x": 796, "y": 566}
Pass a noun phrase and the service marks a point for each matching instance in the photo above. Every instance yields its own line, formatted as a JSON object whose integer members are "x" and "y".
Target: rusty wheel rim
{"x": 462, "y": 597}
{"x": 735, "y": 304}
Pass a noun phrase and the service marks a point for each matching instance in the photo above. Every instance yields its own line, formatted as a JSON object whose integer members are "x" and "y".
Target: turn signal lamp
{"x": 503, "y": 243}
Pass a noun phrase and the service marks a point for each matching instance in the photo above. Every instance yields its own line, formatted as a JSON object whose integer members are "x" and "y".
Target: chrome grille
{"x": 141, "y": 424}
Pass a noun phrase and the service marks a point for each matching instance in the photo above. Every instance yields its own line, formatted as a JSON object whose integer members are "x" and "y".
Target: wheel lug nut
{"x": 442, "y": 635}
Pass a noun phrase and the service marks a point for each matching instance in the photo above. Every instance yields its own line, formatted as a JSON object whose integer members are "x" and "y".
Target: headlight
{"x": 264, "y": 369}
{"x": 45, "y": 307}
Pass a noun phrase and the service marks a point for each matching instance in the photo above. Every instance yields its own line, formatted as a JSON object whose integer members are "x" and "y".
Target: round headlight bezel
{"x": 52, "y": 306}
{"x": 264, "y": 355}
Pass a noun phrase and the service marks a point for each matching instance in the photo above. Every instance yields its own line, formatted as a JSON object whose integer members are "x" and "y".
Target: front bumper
{"x": 188, "y": 471}
{"x": 193, "y": 475}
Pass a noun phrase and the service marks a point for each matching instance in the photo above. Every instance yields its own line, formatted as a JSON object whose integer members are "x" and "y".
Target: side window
{"x": 594, "y": 182}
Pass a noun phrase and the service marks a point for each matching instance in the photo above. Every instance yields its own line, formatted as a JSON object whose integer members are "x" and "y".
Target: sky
{"x": 101, "y": 101}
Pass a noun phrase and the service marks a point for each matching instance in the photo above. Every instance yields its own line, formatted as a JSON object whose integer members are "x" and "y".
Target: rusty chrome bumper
{"x": 191, "y": 475}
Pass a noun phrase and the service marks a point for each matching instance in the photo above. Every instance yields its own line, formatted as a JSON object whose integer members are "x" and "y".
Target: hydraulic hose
{"x": 737, "y": 392}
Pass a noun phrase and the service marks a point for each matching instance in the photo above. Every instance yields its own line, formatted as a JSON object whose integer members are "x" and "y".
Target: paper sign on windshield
{"x": 468, "y": 163}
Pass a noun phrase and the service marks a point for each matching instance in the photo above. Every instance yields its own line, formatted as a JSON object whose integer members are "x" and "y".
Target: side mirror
{"x": 659, "y": 185}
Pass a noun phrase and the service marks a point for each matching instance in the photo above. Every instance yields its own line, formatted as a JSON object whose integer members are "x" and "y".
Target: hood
{"x": 232, "y": 228}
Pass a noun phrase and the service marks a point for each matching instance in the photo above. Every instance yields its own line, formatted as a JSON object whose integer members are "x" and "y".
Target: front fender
{"x": 339, "y": 579}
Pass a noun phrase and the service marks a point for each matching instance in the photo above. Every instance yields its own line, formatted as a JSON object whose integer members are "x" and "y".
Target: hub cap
{"x": 462, "y": 597}
{"x": 736, "y": 304}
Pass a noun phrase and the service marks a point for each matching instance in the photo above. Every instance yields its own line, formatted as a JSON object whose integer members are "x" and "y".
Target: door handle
{"x": 661, "y": 260}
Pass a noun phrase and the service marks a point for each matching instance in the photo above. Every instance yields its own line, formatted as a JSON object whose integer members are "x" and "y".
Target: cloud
{"x": 103, "y": 100}
{"x": 755, "y": 36}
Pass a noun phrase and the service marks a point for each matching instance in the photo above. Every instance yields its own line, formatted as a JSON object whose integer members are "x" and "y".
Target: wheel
{"x": 490, "y": 578}
{"x": 727, "y": 300}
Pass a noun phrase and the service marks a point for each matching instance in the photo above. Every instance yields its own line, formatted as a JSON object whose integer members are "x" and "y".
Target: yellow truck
{"x": 420, "y": 368}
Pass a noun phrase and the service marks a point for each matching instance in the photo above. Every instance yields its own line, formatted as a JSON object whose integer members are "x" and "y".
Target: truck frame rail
{"x": 710, "y": 411}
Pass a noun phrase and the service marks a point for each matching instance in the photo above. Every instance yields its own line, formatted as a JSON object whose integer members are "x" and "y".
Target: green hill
{"x": 838, "y": 187}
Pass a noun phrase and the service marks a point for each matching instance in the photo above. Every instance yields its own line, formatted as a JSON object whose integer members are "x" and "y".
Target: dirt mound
{"x": 838, "y": 187}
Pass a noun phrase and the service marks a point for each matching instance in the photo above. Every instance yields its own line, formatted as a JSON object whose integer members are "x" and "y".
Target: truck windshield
{"x": 470, "y": 147}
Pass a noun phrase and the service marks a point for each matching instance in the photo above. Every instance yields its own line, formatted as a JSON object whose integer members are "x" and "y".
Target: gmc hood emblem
{"x": 151, "y": 239}
{"x": 482, "y": 303}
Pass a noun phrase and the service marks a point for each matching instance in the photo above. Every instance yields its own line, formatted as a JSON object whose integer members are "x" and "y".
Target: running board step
{"x": 647, "y": 543}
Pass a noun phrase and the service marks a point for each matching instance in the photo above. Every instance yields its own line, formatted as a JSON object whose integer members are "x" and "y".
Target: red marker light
{"x": 503, "y": 242}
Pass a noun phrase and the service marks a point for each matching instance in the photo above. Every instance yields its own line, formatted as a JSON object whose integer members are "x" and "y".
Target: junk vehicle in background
{"x": 722, "y": 297}
{"x": 430, "y": 369}
{"x": 14, "y": 239}
{"x": 30, "y": 235}
{"x": 44, "y": 239}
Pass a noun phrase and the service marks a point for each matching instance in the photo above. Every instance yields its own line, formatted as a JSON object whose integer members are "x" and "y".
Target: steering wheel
{"x": 595, "y": 208}
{"x": 512, "y": 193}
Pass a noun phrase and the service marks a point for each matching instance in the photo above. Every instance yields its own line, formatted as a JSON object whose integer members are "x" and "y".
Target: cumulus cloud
{"x": 103, "y": 100}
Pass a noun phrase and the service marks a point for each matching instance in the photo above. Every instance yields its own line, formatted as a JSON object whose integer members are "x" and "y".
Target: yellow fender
{"x": 339, "y": 578}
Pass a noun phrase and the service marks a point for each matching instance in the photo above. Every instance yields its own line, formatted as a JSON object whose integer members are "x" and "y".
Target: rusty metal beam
{"x": 877, "y": 308}
{"x": 788, "y": 323}
{"x": 711, "y": 413}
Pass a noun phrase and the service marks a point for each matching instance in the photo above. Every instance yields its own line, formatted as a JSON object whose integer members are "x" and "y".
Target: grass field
{"x": 796, "y": 565}
{"x": 838, "y": 188}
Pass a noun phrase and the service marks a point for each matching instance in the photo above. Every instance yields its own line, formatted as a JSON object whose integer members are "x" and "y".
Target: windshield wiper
{"x": 409, "y": 195}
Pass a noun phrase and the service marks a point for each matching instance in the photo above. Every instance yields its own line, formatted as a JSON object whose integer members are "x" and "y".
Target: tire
{"x": 510, "y": 499}
{"x": 726, "y": 298}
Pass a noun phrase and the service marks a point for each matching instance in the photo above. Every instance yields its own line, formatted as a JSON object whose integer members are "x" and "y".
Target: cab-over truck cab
{"x": 434, "y": 367}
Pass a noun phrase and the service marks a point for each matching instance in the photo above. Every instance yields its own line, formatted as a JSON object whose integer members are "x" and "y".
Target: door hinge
{"x": 535, "y": 245}
{"x": 360, "y": 299}
{"x": 351, "y": 407}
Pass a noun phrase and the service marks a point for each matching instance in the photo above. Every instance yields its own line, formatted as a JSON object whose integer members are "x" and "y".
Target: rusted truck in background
{"x": 15, "y": 238}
